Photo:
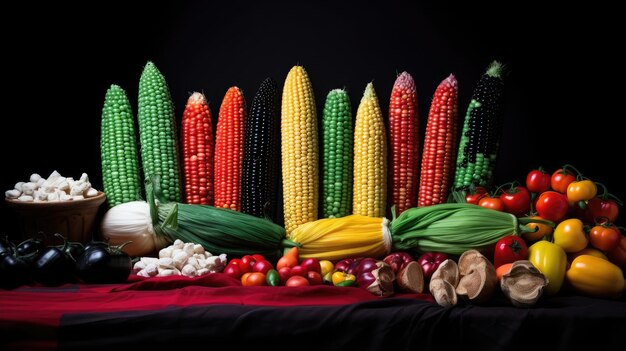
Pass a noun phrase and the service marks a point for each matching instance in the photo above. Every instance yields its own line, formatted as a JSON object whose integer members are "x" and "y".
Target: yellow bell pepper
{"x": 595, "y": 277}
{"x": 588, "y": 251}
{"x": 570, "y": 235}
{"x": 551, "y": 261}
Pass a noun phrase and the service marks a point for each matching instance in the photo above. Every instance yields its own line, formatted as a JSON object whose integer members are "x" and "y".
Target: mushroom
{"x": 523, "y": 285}
{"x": 478, "y": 277}
{"x": 443, "y": 292}
{"x": 443, "y": 282}
{"x": 411, "y": 278}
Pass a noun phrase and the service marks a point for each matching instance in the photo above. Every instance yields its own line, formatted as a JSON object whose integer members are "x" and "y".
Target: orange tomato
{"x": 253, "y": 279}
{"x": 289, "y": 259}
{"x": 502, "y": 270}
{"x": 543, "y": 230}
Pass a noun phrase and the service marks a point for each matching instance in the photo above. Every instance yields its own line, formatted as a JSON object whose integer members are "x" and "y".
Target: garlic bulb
{"x": 130, "y": 222}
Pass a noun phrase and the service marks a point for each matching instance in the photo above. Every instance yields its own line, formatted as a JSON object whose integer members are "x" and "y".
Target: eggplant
{"x": 54, "y": 266}
{"x": 6, "y": 247}
{"x": 14, "y": 271}
{"x": 29, "y": 250}
{"x": 102, "y": 264}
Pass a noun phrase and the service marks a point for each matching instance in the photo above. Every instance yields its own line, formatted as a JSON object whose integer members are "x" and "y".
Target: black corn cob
{"x": 480, "y": 139}
{"x": 259, "y": 183}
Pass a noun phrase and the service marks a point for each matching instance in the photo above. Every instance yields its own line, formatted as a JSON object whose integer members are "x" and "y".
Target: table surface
{"x": 216, "y": 311}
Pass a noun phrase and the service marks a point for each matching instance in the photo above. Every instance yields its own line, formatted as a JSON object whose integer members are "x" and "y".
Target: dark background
{"x": 562, "y": 63}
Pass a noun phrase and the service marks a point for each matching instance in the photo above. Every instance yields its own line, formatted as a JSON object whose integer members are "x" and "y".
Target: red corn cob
{"x": 439, "y": 154}
{"x": 229, "y": 150}
{"x": 404, "y": 143}
{"x": 197, "y": 135}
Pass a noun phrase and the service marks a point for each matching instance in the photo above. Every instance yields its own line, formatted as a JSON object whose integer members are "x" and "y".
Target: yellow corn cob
{"x": 370, "y": 158}
{"x": 299, "y": 150}
{"x": 337, "y": 238}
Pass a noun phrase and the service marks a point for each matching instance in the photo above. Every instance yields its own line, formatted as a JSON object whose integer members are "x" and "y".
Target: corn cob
{"x": 337, "y": 154}
{"x": 370, "y": 158}
{"x": 197, "y": 141}
{"x": 260, "y": 161}
{"x": 218, "y": 230}
{"x": 404, "y": 143}
{"x": 118, "y": 149}
{"x": 157, "y": 131}
{"x": 454, "y": 228}
{"x": 337, "y": 238}
{"x": 480, "y": 138}
{"x": 439, "y": 157}
{"x": 299, "y": 150}
{"x": 229, "y": 150}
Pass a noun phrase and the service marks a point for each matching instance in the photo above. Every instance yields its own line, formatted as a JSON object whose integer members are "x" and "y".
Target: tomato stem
{"x": 606, "y": 195}
{"x": 578, "y": 174}
{"x": 495, "y": 193}
{"x": 527, "y": 220}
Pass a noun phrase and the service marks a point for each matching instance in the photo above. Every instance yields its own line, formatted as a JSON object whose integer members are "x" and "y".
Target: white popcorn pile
{"x": 55, "y": 188}
{"x": 188, "y": 259}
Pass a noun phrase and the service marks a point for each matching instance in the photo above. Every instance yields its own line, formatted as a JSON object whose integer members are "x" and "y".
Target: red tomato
{"x": 516, "y": 200}
{"x": 598, "y": 207}
{"x": 298, "y": 270}
{"x": 311, "y": 264}
{"x": 284, "y": 273}
{"x": 552, "y": 206}
{"x": 258, "y": 257}
{"x": 297, "y": 280}
{"x": 509, "y": 249}
{"x": 605, "y": 238}
{"x": 493, "y": 203}
{"x": 253, "y": 279}
{"x": 618, "y": 254}
{"x": 474, "y": 198}
{"x": 262, "y": 266}
{"x": 249, "y": 261}
{"x": 538, "y": 181}
{"x": 232, "y": 270}
{"x": 560, "y": 180}
{"x": 314, "y": 278}
{"x": 243, "y": 268}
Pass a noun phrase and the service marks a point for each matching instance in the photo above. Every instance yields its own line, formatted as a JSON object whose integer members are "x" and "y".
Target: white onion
{"x": 130, "y": 222}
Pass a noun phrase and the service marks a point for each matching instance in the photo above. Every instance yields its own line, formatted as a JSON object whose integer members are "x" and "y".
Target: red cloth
{"x": 36, "y": 310}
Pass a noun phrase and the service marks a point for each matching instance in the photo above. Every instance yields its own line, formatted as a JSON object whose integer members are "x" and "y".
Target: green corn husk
{"x": 453, "y": 228}
{"x": 217, "y": 230}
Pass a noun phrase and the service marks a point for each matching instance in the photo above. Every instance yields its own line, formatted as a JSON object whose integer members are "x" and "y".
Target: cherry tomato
{"x": 516, "y": 200}
{"x": 474, "y": 198}
{"x": 493, "y": 203}
{"x": 538, "y": 181}
{"x": 253, "y": 279}
{"x": 560, "y": 180}
{"x": 618, "y": 254}
{"x": 262, "y": 266}
{"x": 542, "y": 231}
{"x": 243, "y": 268}
{"x": 258, "y": 257}
{"x": 249, "y": 261}
{"x": 581, "y": 191}
{"x": 232, "y": 270}
{"x": 598, "y": 207}
{"x": 297, "y": 280}
{"x": 605, "y": 238}
{"x": 552, "y": 206}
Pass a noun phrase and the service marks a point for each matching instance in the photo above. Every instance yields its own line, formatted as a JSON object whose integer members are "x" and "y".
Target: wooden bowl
{"x": 73, "y": 219}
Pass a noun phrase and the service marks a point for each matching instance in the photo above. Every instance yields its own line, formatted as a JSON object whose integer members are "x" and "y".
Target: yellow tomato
{"x": 326, "y": 267}
{"x": 581, "y": 191}
{"x": 570, "y": 235}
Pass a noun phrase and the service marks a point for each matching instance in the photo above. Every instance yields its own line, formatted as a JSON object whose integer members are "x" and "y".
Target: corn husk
{"x": 217, "y": 230}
